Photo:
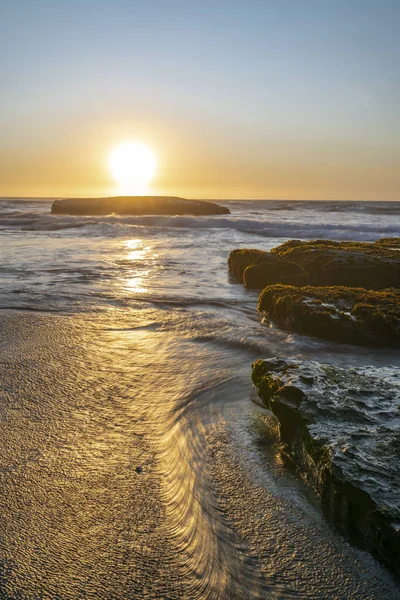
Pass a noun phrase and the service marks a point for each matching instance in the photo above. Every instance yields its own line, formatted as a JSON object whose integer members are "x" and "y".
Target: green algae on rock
{"x": 137, "y": 205}
{"x": 257, "y": 269}
{"x": 322, "y": 262}
{"x": 356, "y": 264}
{"x": 339, "y": 427}
{"x": 341, "y": 314}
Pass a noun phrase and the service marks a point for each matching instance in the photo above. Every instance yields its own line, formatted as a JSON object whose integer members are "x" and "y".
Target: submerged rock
{"x": 341, "y": 314}
{"x": 322, "y": 262}
{"x": 137, "y": 205}
{"x": 341, "y": 428}
{"x": 257, "y": 269}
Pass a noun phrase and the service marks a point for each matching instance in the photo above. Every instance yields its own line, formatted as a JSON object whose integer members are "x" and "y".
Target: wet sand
{"x": 211, "y": 514}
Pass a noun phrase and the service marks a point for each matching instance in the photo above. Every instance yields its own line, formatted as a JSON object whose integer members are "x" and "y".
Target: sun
{"x": 133, "y": 166}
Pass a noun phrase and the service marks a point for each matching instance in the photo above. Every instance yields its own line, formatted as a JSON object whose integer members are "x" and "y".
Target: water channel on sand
{"x": 212, "y": 513}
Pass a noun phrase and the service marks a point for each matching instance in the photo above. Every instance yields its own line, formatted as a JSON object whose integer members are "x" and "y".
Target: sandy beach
{"x": 125, "y": 476}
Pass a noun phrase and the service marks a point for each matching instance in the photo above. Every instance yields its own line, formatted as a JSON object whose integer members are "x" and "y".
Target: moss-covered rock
{"x": 257, "y": 269}
{"x": 373, "y": 266}
{"x": 342, "y": 314}
{"x": 339, "y": 428}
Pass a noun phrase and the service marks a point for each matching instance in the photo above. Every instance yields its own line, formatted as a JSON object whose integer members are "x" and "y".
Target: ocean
{"x": 136, "y": 460}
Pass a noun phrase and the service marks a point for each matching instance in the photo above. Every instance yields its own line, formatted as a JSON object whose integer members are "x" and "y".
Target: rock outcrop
{"x": 339, "y": 428}
{"x": 257, "y": 269}
{"x": 137, "y": 205}
{"x": 341, "y": 314}
{"x": 372, "y": 266}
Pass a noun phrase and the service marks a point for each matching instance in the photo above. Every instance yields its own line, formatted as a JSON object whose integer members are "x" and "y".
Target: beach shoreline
{"x": 83, "y": 411}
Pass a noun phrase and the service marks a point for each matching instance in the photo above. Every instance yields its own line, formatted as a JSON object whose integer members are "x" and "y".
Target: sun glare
{"x": 133, "y": 166}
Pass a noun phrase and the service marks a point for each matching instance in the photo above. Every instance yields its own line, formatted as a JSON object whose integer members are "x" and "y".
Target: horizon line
{"x": 197, "y": 199}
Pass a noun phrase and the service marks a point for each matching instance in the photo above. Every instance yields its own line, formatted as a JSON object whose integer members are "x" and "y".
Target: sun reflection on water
{"x": 137, "y": 251}
{"x": 136, "y": 283}
{"x": 139, "y": 254}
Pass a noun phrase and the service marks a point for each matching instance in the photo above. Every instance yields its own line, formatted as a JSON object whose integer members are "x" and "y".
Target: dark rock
{"x": 137, "y": 205}
{"x": 341, "y": 314}
{"x": 139, "y": 469}
{"x": 257, "y": 269}
{"x": 339, "y": 428}
{"x": 373, "y": 266}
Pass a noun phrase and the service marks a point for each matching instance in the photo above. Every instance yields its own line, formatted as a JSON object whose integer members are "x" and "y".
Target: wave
{"x": 270, "y": 219}
{"x": 389, "y": 208}
{"x": 115, "y": 226}
{"x": 349, "y": 206}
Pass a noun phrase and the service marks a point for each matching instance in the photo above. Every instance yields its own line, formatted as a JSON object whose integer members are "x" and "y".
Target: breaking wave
{"x": 114, "y": 226}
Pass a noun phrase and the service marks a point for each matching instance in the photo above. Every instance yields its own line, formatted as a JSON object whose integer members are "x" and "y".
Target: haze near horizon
{"x": 294, "y": 100}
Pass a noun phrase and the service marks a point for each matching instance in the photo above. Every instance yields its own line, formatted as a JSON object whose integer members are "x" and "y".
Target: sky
{"x": 296, "y": 99}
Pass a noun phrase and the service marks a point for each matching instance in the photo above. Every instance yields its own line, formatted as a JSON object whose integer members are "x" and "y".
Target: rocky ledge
{"x": 342, "y": 314}
{"x": 322, "y": 262}
{"x": 257, "y": 269}
{"x": 340, "y": 427}
{"x": 137, "y": 205}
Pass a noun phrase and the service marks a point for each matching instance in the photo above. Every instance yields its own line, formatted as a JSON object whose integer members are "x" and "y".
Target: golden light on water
{"x": 133, "y": 166}
{"x": 137, "y": 253}
{"x": 136, "y": 250}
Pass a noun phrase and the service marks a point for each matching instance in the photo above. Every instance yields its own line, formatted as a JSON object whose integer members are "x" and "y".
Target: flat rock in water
{"x": 257, "y": 269}
{"x": 373, "y": 266}
{"x": 342, "y": 428}
{"x": 137, "y": 205}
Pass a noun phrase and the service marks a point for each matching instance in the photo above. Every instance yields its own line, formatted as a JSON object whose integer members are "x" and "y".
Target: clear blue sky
{"x": 291, "y": 98}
